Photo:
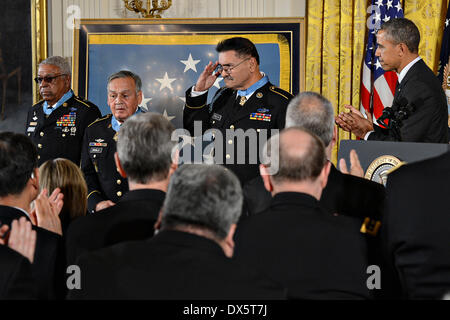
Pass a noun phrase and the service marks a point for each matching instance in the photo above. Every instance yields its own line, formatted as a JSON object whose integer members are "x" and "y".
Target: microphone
{"x": 390, "y": 112}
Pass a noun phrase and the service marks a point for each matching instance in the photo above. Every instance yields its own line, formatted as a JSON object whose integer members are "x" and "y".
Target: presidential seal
{"x": 379, "y": 169}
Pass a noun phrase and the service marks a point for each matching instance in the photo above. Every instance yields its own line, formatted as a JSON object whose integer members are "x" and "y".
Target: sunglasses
{"x": 47, "y": 79}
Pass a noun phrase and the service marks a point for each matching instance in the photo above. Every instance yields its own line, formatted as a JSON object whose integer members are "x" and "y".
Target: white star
{"x": 386, "y": 18}
{"x": 216, "y": 83}
{"x": 399, "y": 7}
{"x": 389, "y": 4}
{"x": 165, "y": 115}
{"x": 377, "y": 17}
{"x": 379, "y": 3}
{"x": 447, "y": 21}
{"x": 378, "y": 64}
{"x": 190, "y": 63}
{"x": 144, "y": 102}
{"x": 166, "y": 82}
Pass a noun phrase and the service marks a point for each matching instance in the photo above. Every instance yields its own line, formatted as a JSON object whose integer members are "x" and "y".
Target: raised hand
{"x": 355, "y": 165}
{"x": 354, "y": 122}
{"x": 47, "y": 210}
{"x": 22, "y": 238}
{"x": 207, "y": 77}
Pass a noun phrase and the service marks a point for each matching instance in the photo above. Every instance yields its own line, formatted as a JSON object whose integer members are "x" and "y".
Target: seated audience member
{"x": 416, "y": 228}
{"x": 344, "y": 194}
{"x": 189, "y": 258}
{"x": 314, "y": 254}
{"x": 16, "y": 254}
{"x": 19, "y": 186}
{"x": 143, "y": 156}
{"x": 65, "y": 175}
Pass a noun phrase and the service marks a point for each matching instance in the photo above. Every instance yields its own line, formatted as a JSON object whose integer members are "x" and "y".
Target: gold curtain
{"x": 336, "y": 46}
{"x": 429, "y": 16}
{"x": 335, "y": 50}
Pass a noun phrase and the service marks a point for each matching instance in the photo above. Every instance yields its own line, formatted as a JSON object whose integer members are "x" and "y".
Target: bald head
{"x": 313, "y": 112}
{"x": 301, "y": 156}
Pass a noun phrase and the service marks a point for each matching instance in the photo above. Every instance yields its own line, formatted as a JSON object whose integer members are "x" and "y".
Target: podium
{"x": 378, "y": 158}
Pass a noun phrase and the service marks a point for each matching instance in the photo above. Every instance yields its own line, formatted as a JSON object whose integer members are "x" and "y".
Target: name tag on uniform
{"x": 216, "y": 116}
{"x": 33, "y": 123}
{"x": 260, "y": 116}
{"x": 96, "y": 150}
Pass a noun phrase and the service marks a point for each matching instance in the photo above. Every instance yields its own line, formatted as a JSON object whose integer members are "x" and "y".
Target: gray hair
{"x": 314, "y": 112}
{"x": 203, "y": 196}
{"x": 298, "y": 162}
{"x": 144, "y": 147}
{"x": 60, "y": 62}
{"x": 126, "y": 74}
{"x": 402, "y": 30}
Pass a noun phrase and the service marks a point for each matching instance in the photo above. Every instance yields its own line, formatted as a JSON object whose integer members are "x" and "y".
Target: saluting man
{"x": 56, "y": 124}
{"x": 105, "y": 185}
{"x": 248, "y": 101}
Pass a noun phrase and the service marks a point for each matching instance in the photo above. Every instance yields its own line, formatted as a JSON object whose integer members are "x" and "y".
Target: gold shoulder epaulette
{"x": 81, "y": 101}
{"x": 34, "y": 105}
{"x": 280, "y": 91}
{"x": 101, "y": 119}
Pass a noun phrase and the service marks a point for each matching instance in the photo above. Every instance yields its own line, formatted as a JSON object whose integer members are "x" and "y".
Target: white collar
{"x": 26, "y": 213}
{"x": 402, "y": 74}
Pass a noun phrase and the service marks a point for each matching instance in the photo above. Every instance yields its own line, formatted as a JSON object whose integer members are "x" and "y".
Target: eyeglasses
{"x": 228, "y": 69}
{"x": 48, "y": 79}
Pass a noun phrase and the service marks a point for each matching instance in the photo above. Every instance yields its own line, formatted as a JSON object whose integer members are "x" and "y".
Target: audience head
{"x": 18, "y": 165}
{"x": 204, "y": 199}
{"x": 54, "y": 76}
{"x": 124, "y": 94}
{"x": 313, "y": 112}
{"x": 65, "y": 175}
{"x": 238, "y": 62}
{"x": 144, "y": 148}
{"x": 301, "y": 162}
{"x": 398, "y": 43}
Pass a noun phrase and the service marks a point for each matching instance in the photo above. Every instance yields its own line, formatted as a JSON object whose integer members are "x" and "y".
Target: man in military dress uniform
{"x": 248, "y": 101}
{"x": 56, "y": 124}
{"x": 105, "y": 185}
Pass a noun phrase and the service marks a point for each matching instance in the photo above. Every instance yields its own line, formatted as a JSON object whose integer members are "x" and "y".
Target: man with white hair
{"x": 56, "y": 124}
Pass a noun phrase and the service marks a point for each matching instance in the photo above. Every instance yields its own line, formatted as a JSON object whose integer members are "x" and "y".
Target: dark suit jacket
{"x": 171, "y": 265}
{"x": 132, "y": 218}
{"x": 16, "y": 281}
{"x": 97, "y": 163}
{"x": 314, "y": 254}
{"x": 416, "y": 228}
{"x": 225, "y": 114}
{"x": 344, "y": 194}
{"x": 47, "y": 255}
{"x": 428, "y": 123}
{"x": 56, "y": 138}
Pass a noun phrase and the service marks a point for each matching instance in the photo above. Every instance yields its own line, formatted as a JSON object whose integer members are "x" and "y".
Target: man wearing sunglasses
{"x": 56, "y": 124}
{"x": 248, "y": 101}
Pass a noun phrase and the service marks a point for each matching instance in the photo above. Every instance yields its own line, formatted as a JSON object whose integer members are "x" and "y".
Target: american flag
{"x": 378, "y": 86}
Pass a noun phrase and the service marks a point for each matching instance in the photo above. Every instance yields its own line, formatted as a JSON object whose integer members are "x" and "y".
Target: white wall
{"x": 62, "y": 13}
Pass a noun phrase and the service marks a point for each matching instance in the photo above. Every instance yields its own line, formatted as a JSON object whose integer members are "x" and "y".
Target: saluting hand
{"x": 207, "y": 77}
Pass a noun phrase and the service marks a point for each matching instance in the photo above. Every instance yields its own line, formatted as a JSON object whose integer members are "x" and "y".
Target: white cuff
{"x": 197, "y": 93}
{"x": 367, "y": 135}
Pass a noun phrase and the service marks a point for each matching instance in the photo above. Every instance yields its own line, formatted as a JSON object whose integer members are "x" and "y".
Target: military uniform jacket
{"x": 97, "y": 163}
{"x": 265, "y": 109}
{"x": 60, "y": 135}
